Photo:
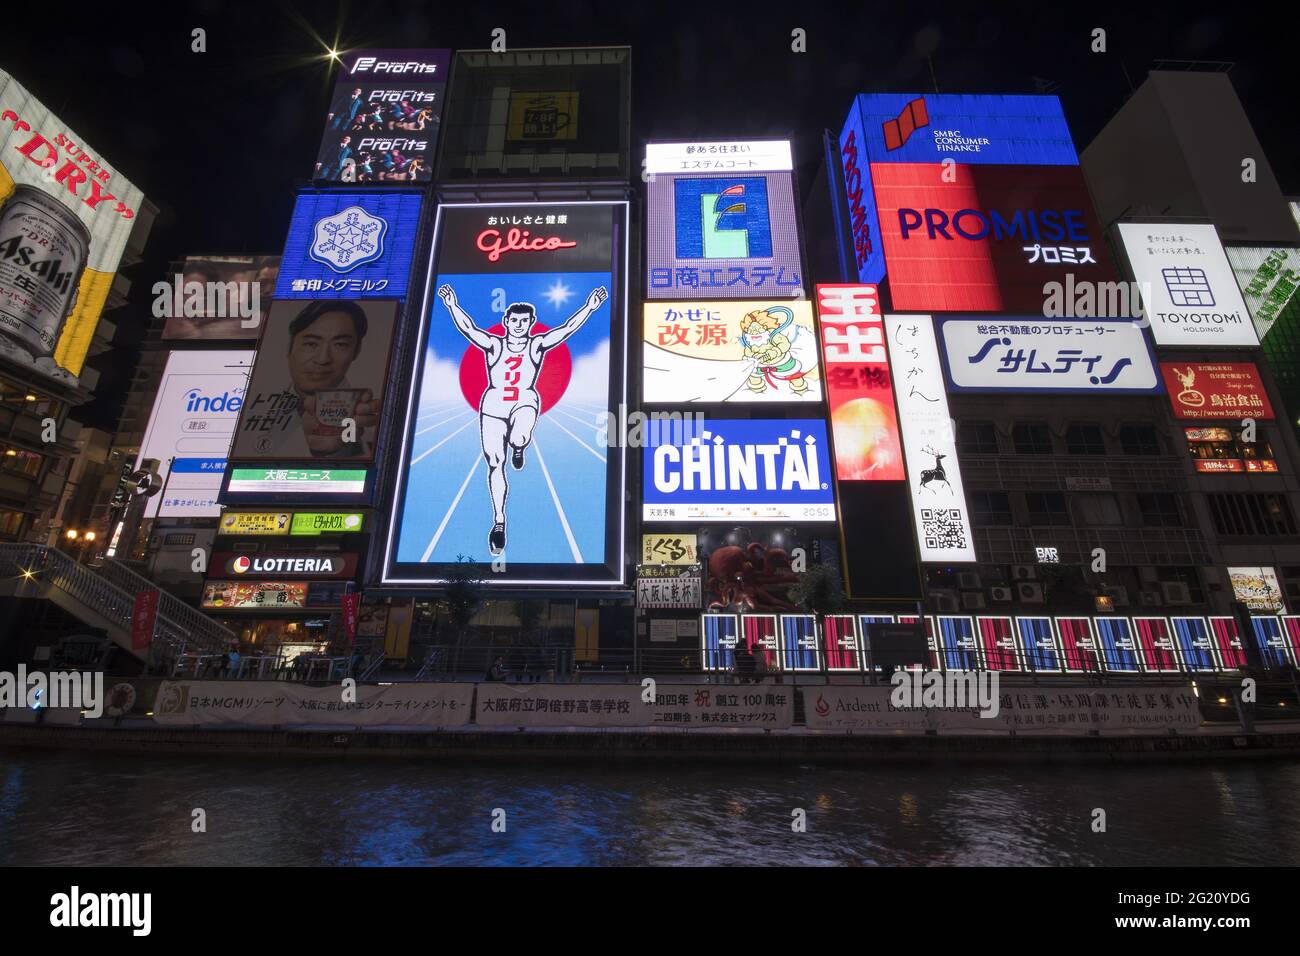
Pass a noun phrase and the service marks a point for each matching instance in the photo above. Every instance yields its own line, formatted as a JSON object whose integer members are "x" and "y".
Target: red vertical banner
{"x": 351, "y": 614}
{"x": 143, "y": 618}
{"x": 858, "y": 386}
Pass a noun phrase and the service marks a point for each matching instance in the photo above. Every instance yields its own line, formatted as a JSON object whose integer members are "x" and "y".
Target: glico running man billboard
{"x": 350, "y": 245}
{"x": 967, "y": 203}
{"x": 383, "y": 118}
{"x": 730, "y": 351}
{"x": 65, "y": 218}
{"x": 721, "y": 221}
{"x": 507, "y": 456}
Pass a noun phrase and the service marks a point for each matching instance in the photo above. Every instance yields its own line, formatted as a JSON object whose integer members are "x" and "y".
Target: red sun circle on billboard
{"x": 557, "y": 367}
{"x": 240, "y": 565}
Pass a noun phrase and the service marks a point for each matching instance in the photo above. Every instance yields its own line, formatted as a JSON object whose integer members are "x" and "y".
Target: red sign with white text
{"x": 859, "y": 389}
{"x": 1209, "y": 390}
{"x": 143, "y": 618}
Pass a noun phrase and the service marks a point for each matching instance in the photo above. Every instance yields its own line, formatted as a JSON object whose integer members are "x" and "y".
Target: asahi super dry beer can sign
{"x": 64, "y": 222}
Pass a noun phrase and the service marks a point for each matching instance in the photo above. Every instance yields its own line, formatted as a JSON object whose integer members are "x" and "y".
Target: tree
{"x": 463, "y": 594}
{"x": 818, "y": 591}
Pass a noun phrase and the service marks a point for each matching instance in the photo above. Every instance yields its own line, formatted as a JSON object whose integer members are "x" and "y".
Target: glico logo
{"x": 1028, "y": 225}
{"x": 518, "y": 240}
{"x": 722, "y": 218}
{"x": 196, "y": 401}
{"x": 709, "y": 463}
{"x": 862, "y": 246}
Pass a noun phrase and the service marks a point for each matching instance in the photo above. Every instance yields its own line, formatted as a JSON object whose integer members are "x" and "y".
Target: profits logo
{"x": 240, "y": 565}
{"x": 349, "y": 238}
{"x": 722, "y": 218}
{"x": 898, "y": 131}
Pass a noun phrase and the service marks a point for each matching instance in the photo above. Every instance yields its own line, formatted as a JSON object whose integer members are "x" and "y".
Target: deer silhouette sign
{"x": 936, "y": 473}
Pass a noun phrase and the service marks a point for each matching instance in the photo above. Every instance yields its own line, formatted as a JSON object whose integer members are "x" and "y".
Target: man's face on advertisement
{"x": 320, "y": 354}
{"x": 517, "y": 324}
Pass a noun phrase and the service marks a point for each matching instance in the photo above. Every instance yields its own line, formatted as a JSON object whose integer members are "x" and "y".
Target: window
{"x": 977, "y": 438}
{"x": 1031, "y": 438}
{"x": 990, "y": 509}
{"x": 1139, "y": 438}
{"x": 1084, "y": 440}
{"x": 1251, "y": 515}
{"x": 1047, "y": 508}
{"x": 1160, "y": 511}
{"x": 11, "y": 523}
{"x": 1098, "y": 510}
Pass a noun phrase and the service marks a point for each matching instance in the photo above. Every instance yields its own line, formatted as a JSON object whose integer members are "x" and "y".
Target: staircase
{"x": 105, "y": 597}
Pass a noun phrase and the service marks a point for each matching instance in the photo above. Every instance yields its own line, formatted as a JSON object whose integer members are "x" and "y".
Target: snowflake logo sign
{"x": 347, "y": 239}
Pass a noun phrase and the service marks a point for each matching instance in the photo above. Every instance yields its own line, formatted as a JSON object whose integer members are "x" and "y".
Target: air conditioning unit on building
{"x": 1149, "y": 598}
{"x": 945, "y": 602}
{"x": 1000, "y": 594}
{"x": 972, "y": 600}
{"x": 1175, "y": 592}
{"x": 1024, "y": 572}
{"x": 1029, "y": 592}
{"x": 1118, "y": 594}
{"x": 968, "y": 580}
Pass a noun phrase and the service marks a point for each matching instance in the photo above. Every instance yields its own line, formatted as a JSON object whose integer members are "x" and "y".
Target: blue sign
{"x": 864, "y": 220}
{"x": 722, "y": 218}
{"x": 968, "y": 129}
{"x": 738, "y": 469}
{"x": 351, "y": 244}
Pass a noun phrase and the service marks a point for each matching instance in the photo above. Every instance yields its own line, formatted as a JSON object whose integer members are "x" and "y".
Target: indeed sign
{"x": 740, "y": 470}
{"x": 196, "y": 401}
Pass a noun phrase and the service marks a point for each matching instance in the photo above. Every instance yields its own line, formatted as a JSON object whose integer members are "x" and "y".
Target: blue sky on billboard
{"x": 546, "y": 503}
{"x": 351, "y": 244}
{"x": 971, "y": 129}
{"x": 741, "y": 469}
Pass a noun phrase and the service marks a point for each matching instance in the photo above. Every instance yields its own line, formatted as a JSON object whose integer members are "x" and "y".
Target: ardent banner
{"x": 275, "y": 703}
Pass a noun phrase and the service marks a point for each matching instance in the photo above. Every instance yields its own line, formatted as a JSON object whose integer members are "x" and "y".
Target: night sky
{"x": 220, "y": 140}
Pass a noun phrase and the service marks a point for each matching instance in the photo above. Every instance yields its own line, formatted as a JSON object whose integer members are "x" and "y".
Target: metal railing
{"x": 111, "y": 592}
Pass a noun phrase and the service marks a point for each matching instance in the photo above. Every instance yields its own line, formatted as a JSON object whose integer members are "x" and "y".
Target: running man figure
{"x": 510, "y": 405}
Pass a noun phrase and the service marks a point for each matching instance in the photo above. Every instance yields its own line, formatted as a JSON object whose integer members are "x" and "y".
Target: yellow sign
{"x": 669, "y": 549}
{"x": 255, "y": 522}
{"x": 543, "y": 117}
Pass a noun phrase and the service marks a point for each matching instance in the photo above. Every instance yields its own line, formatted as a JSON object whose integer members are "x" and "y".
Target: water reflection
{"x": 95, "y": 809}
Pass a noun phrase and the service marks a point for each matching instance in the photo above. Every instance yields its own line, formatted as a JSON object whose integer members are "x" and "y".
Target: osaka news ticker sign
{"x": 506, "y": 454}
{"x": 1190, "y": 295}
{"x": 350, "y": 244}
{"x": 969, "y": 203}
{"x": 1032, "y": 354}
{"x": 65, "y": 219}
{"x": 738, "y": 469}
{"x": 384, "y": 116}
{"x": 721, "y": 221}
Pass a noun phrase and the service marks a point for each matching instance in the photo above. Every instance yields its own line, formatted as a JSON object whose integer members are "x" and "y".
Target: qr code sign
{"x": 943, "y": 528}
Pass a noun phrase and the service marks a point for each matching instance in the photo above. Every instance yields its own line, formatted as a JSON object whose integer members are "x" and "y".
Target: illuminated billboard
{"x": 738, "y": 470}
{"x": 721, "y": 221}
{"x": 65, "y": 219}
{"x": 190, "y": 428}
{"x": 213, "y": 295}
{"x": 1189, "y": 293}
{"x": 1258, "y": 589}
{"x": 506, "y": 453}
{"x": 384, "y": 116}
{"x": 318, "y": 384}
{"x": 1216, "y": 390}
{"x": 981, "y": 238}
{"x": 254, "y": 595}
{"x": 1061, "y": 356}
{"x": 729, "y": 351}
{"x": 297, "y": 482}
{"x": 1268, "y": 278}
{"x": 350, "y": 244}
{"x": 859, "y": 389}
{"x": 284, "y": 564}
{"x": 939, "y": 510}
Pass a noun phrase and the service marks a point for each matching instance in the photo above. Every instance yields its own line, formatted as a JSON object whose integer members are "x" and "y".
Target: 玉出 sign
{"x": 943, "y": 529}
{"x": 1209, "y": 390}
{"x": 751, "y": 469}
{"x": 1075, "y": 356}
{"x": 858, "y": 386}
{"x": 669, "y": 586}
{"x": 669, "y": 548}
{"x": 1189, "y": 294}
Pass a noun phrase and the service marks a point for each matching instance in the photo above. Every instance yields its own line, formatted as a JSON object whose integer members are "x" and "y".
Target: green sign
{"x": 326, "y": 522}
{"x": 298, "y": 480}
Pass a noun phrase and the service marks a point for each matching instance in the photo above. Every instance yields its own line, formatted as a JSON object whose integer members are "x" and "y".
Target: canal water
{"x": 89, "y": 809}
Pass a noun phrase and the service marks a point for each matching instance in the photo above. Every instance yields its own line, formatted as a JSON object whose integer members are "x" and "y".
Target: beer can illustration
{"x": 43, "y": 250}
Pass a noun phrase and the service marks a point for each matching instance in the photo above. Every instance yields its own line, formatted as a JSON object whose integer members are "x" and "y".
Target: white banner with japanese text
{"x": 276, "y": 703}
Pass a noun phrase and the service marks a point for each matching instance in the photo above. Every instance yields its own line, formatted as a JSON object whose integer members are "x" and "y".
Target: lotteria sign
{"x": 350, "y": 244}
{"x": 745, "y": 470}
{"x": 230, "y": 564}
